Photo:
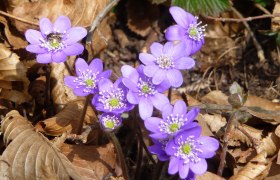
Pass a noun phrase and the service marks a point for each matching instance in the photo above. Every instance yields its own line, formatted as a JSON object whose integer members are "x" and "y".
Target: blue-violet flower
{"x": 142, "y": 91}
{"x": 187, "y": 29}
{"x": 54, "y": 42}
{"x": 165, "y": 63}
{"x": 159, "y": 149}
{"x": 88, "y": 77}
{"x": 110, "y": 122}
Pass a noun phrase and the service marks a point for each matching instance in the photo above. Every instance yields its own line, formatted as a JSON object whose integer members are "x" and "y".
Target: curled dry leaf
{"x": 29, "y": 155}
{"x": 275, "y": 25}
{"x": 11, "y": 71}
{"x": 91, "y": 162}
{"x": 208, "y": 176}
{"x": 67, "y": 120}
{"x": 257, "y": 168}
{"x": 270, "y": 144}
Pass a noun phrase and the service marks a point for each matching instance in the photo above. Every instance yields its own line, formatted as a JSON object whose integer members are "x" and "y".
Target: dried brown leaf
{"x": 67, "y": 120}
{"x": 257, "y": 168}
{"x": 29, "y": 155}
{"x": 91, "y": 162}
{"x": 208, "y": 176}
{"x": 270, "y": 144}
{"x": 275, "y": 25}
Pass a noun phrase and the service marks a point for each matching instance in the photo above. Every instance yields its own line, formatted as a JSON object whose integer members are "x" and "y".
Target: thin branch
{"x": 264, "y": 16}
{"x": 18, "y": 18}
{"x": 99, "y": 18}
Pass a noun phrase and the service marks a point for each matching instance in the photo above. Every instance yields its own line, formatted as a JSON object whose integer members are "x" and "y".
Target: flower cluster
{"x": 176, "y": 135}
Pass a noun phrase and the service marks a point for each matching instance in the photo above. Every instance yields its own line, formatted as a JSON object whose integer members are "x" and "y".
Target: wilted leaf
{"x": 12, "y": 70}
{"x": 67, "y": 120}
{"x": 91, "y": 162}
{"x": 208, "y": 176}
{"x": 257, "y": 168}
{"x": 275, "y": 25}
{"x": 270, "y": 144}
{"x": 29, "y": 155}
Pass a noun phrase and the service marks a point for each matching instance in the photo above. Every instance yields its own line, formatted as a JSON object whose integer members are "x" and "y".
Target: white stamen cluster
{"x": 84, "y": 79}
{"x": 172, "y": 123}
{"x": 165, "y": 61}
{"x": 146, "y": 87}
{"x": 113, "y": 99}
{"x": 192, "y": 154}
{"x": 53, "y": 42}
{"x": 195, "y": 31}
{"x": 110, "y": 121}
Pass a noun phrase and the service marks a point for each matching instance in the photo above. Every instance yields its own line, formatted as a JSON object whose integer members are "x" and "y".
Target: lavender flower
{"x": 165, "y": 63}
{"x": 54, "y": 42}
{"x": 110, "y": 122}
{"x": 187, "y": 29}
{"x": 88, "y": 77}
{"x": 174, "y": 120}
{"x": 111, "y": 97}
{"x": 159, "y": 149}
{"x": 143, "y": 92}
{"x": 188, "y": 151}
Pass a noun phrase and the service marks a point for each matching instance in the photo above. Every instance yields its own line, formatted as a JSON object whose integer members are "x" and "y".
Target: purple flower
{"x": 174, "y": 120}
{"x": 143, "y": 92}
{"x": 188, "y": 151}
{"x": 186, "y": 30}
{"x": 88, "y": 77}
{"x": 111, "y": 97}
{"x": 110, "y": 122}
{"x": 159, "y": 149}
{"x": 165, "y": 63}
{"x": 54, "y": 42}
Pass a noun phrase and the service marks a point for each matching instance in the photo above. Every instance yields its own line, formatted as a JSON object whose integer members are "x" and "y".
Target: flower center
{"x": 146, "y": 87}
{"x": 186, "y": 148}
{"x": 173, "y": 127}
{"x": 53, "y": 42}
{"x": 110, "y": 121}
{"x": 195, "y": 31}
{"x": 113, "y": 99}
{"x": 164, "y": 61}
{"x": 114, "y": 102}
{"x": 87, "y": 80}
{"x": 172, "y": 123}
{"x": 109, "y": 124}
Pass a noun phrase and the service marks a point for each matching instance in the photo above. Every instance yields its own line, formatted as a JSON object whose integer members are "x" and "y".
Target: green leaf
{"x": 203, "y": 7}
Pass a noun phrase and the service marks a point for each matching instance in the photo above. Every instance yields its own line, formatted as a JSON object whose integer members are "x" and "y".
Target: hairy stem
{"x": 83, "y": 115}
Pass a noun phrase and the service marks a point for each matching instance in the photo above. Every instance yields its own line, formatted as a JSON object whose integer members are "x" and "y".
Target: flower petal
{"x": 80, "y": 91}
{"x": 183, "y": 169}
{"x": 96, "y": 65}
{"x": 208, "y": 146}
{"x": 168, "y": 48}
{"x": 184, "y": 63}
{"x": 191, "y": 115}
{"x": 105, "y": 74}
{"x": 62, "y": 24}
{"x": 195, "y": 45}
{"x": 181, "y": 50}
{"x": 130, "y": 73}
{"x": 146, "y": 58}
{"x": 73, "y": 49}
{"x": 44, "y": 58}
{"x": 33, "y": 36}
{"x": 159, "y": 100}
{"x": 159, "y": 76}
{"x": 46, "y": 26}
{"x": 36, "y": 48}
{"x": 74, "y": 35}
{"x": 81, "y": 66}
{"x": 152, "y": 124}
{"x": 175, "y": 33}
{"x": 182, "y": 17}
{"x": 105, "y": 85}
{"x": 130, "y": 85}
{"x": 69, "y": 81}
{"x": 59, "y": 57}
{"x": 173, "y": 167}
{"x": 145, "y": 108}
{"x": 132, "y": 97}
{"x": 166, "y": 110}
{"x": 195, "y": 132}
{"x": 175, "y": 77}
{"x": 158, "y": 136}
{"x": 200, "y": 167}
{"x": 170, "y": 148}
{"x": 150, "y": 70}
{"x": 156, "y": 49}
{"x": 163, "y": 86}
{"x": 179, "y": 107}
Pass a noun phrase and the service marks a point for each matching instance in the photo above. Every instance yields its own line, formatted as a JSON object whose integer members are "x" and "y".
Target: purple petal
{"x": 182, "y": 17}
{"x": 44, "y": 58}
{"x": 196, "y": 45}
{"x": 184, "y": 63}
{"x": 36, "y": 48}
{"x": 183, "y": 169}
{"x": 168, "y": 48}
{"x": 181, "y": 50}
{"x": 200, "y": 167}
{"x": 62, "y": 24}
{"x": 130, "y": 85}
{"x": 175, "y": 33}
{"x": 191, "y": 115}
{"x": 96, "y": 65}
{"x": 173, "y": 167}
{"x": 146, "y": 58}
{"x": 69, "y": 81}
{"x": 46, "y": 26}
{"x": 152, "y": 124}
{"x": 94, "y": 100}
{"x": 179, "y": 107}
{"x": 150, "y": 70}
{"x": 105, "y": 74}
{"x": 163, "y": 86}
{"x": 156, "y": 49}
{"x": 81, "y": 66}
{"x": 80, "y": 91}
{"x": 130, "y": 73}
{"x": 175, "y": 77}
{"x": 73, "y": 49}
{"x": 209, "y": 146}
{"x": 170, "y": 148}
{"x": 195, "y": 132}
{"x": 74, "y": 35}
{"x": 166, "y": 110}
{"x": 59, "y": 57}
{"x": 33, "y": 36}
{"x": 163, "y": 157}
{"x": 159, "y": 76}
{"x": 159, "y": 100}
{"x": 132, "y": 97}
{"x": 145, "y": 108}
{"x": 105, "y": 85}
{"x": 158, "y": 136}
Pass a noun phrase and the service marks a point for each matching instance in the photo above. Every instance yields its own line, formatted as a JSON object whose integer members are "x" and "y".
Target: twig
{"x": 260, "y": 7}
{"x": 139, "y": 161}
{"x": 98, "y": 19}
{"x": 83, "y": 137}
{"x": 254, "y": 141}
{"x": 242, "y": 19}
{"x": 79, "y": 131}
{"x": 48, "y": 90}
{"x": 18, "y": 18}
